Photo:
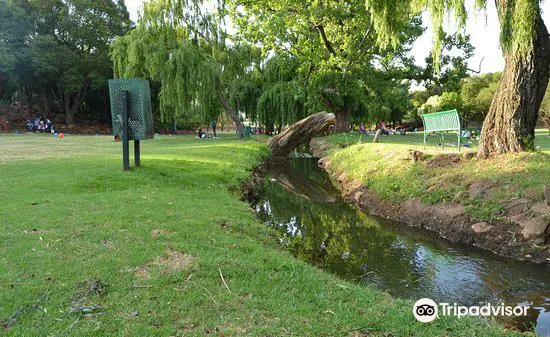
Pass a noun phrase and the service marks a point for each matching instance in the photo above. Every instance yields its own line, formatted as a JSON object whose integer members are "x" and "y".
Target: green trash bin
{"x": 140, "y": 113}
{"x": 131, "y": 114}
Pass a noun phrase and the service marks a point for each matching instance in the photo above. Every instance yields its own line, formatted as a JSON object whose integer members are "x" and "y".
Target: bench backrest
{"x": 441, "y": 121}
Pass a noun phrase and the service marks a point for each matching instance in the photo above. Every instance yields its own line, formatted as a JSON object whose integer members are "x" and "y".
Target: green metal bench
{"x": 441, "y": 122}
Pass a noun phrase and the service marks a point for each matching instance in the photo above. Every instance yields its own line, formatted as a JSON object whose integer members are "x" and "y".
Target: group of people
{"x": 379, "y": 126}
{"x": 39, "y": 125}
{"x": 203, "y": 134}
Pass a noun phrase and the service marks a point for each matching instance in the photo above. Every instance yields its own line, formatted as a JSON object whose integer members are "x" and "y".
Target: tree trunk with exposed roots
{"x": 510, "y": 124}
{"x": 300, "y": 133}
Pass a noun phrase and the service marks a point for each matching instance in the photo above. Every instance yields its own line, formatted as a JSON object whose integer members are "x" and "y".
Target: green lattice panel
{"x": 139, "y": 107}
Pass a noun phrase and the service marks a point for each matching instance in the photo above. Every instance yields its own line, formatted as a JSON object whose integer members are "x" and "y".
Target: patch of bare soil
{"x": 481, "y": 188}
{"x": 173, "y": 261}
{"x": 35, "y": 231}
{"x": 444, "y": 160}
{"x": 86, "y": 296}
{"x": 156, "y": 233}
{"x": 142, "y": 272}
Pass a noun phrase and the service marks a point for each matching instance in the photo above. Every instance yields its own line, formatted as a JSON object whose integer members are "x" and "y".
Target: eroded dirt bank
{"x": 523, "y": 235}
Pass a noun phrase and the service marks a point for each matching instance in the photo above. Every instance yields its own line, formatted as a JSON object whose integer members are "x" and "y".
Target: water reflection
{"x": 318, "y": 227}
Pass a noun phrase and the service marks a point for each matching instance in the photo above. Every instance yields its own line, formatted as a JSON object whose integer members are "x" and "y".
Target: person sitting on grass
{"x": 382, "y": 127}
{"x": 202, "y": 134}
{"x": 48, "y": 126}
{"x": 36, "y": 123}
{"x": 362, "y": 128}
{"x": 29, "y": 126}
{"x": 41, "y": 126}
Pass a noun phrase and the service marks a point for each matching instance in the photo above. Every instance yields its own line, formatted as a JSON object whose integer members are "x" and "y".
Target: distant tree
{"x": 60, "y": 48}
{"x": 340, "y": 65}
{"x": 184, "y": 46}
{"x": 282, "y": 98}
{"x": 510, "y": 122}
{"x": 449, "y": 101}
{"x": 452, "y": 68}
{"x": 477, "y": 94}
{"x": 443, "y": 102}
{"x": 14, "y": 27}
{"x": 431, "y": 105}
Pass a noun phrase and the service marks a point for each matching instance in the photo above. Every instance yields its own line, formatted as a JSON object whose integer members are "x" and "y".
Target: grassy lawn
{"x": 414, "y": 141}
{"x": 90, "y": 250}
{"x": 385, "y": 168}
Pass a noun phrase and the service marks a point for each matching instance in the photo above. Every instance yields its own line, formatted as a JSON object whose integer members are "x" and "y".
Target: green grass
{"x": 414, "y": 141}
{"x": 70, "y": 214}
{"x": 386, "y": 169}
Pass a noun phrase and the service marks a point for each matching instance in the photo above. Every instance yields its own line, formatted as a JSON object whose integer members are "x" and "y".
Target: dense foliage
{"x": 337, "y": 64}
{"x": 54, "y": 54}
{"x": 516, "y": 33}
{"x": 473, "y": 96}
{"x": 183, "y": 45}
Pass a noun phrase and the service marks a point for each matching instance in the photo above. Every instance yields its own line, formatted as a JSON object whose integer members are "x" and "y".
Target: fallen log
{"x": 300, "y": 133}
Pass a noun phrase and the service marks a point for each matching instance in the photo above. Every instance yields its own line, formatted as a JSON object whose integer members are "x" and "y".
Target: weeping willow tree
{"x": 185, "y": 48}
{"x": 334, "y": 45}
{"x": 282, "y": 99}
{"x": 510, "y": 124}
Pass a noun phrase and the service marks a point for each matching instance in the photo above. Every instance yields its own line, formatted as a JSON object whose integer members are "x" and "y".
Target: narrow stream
{"x": 300, "y": 201}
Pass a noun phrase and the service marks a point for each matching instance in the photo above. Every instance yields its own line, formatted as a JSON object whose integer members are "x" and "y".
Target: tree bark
{"x": 66, "y": 101}
{"x": 300, "y": 133}
{"x": 509, "y": 126}
{"x": 343, "y": 116}
{"x": 45, "y": 101}
{"x": 234, "y": 115}
{"x": 70, "y": 111}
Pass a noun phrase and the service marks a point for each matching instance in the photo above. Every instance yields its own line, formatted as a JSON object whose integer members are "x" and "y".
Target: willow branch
{"x": 351, "y": 61}
{"x": 321, "y": 29}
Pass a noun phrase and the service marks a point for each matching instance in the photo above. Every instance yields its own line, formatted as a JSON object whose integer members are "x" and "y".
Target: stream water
{"x": 313, "y": 221}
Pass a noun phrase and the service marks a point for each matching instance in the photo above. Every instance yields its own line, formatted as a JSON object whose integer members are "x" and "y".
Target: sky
{"x": 483, "y": 28}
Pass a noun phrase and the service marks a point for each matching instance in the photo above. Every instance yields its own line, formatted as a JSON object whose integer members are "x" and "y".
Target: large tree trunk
{"x": 69, "y": 118}
{"x": 45, "y": 102}
{"x": 300, "y": 133}
{"x": 343, "y": 116}
{"x": 510, "y": 124}
{"x": 234, "y": 115}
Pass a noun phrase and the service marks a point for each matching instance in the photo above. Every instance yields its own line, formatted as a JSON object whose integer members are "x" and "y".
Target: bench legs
{"x": 441, "y": 139}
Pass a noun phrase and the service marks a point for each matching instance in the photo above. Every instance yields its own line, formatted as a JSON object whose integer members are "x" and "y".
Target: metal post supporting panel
{"x": 125, "y": 132}
{"x": 137, "y": 156}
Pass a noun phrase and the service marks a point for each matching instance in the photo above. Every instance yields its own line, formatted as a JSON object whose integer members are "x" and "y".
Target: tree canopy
{"x": 516, "y": 33}
{"x": 477, "y": 94}
{"x": 55, "y": 53}
{"x": 184, "y": 46}
{"x": 332, "y": 46}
